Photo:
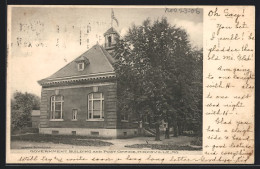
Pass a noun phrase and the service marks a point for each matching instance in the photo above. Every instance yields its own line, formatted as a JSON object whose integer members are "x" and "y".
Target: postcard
{"x": 130, "y": 84}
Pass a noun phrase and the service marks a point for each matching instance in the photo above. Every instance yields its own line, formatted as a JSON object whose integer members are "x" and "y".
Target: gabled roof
{"x": 100, "y": 61}
{"x": 111, "y": 31}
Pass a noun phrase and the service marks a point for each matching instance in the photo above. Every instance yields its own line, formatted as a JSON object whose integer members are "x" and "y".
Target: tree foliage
{"x": 158, "y": 72}
{"x": 21, "y": 106}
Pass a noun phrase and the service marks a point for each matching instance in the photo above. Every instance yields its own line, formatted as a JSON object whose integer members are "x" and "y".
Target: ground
{"x": 145, "y": 143}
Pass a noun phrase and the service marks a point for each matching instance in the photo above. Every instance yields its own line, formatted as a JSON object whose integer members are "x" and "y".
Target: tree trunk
{"x": 180, "y": 128}
{"x": 149, "y": 121}
{"x": 175, "y": 129}
{"x": 167, "y": 133}
{"x": 157, "y": 134}
{"x": 167, "y": 130}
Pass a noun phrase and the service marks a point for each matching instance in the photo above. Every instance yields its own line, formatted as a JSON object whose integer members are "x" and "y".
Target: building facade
{"x": 81, "y": 97}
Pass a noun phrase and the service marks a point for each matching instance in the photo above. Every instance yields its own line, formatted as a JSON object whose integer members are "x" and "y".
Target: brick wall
{"x": 77, "y": 98}
{"x": 44, "y": 110}
{"x": 110, "y": 107}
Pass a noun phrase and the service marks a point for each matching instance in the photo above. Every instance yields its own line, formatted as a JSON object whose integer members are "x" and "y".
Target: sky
{"x": 44, "y": 39}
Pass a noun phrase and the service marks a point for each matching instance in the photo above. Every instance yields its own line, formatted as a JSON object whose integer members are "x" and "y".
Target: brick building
{"x": 81, "y": 97}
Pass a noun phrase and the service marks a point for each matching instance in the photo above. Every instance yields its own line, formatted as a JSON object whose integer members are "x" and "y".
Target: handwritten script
{"x": 229, "y": 85}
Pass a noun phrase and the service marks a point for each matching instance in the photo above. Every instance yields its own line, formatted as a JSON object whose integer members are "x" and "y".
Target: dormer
{"x": 82, "y": 62}
{"x": 111, "y": 35}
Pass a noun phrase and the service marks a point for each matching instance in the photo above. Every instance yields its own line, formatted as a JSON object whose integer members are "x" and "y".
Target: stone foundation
{"x": 109, "y": 133}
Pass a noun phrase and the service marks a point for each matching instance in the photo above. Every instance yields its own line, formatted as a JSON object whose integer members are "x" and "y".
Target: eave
{"x": 78, "y": 79}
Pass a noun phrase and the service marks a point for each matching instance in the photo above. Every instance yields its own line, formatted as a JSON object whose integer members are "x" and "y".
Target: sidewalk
{"x": 118, "y": 144}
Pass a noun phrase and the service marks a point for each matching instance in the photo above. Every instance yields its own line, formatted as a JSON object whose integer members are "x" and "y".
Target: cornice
{"x": 77, "y": 79}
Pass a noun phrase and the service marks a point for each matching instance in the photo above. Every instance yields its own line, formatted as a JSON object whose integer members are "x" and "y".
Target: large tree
{"x": 21, "y": 106}
{"x": 155, "y": 69}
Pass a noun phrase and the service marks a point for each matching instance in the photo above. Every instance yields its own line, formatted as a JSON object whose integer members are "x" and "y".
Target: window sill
{"x": 95, "y": 120}
{"x": 74, "y": 120}
{"x": 56, "y": 119}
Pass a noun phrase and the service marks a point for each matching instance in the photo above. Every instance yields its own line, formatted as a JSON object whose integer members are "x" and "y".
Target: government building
{"x": 81, "y": 97}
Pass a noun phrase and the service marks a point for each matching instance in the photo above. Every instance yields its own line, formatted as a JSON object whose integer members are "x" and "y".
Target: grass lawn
{"x": 62, "y": 139}
{"x": 183, "y": 143}
{"x": 165, "y": 147}
{"x": 174, "y": 143}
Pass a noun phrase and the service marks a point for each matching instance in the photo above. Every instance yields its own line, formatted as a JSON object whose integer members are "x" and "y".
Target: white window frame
{"x": 74, "y": 115}
{"x": 90, "y": 115}
{"x": 81, "y": 69}
{"x": 53, "y": 111}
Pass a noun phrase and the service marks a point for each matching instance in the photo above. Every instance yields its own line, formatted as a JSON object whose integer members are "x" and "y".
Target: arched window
{"x": 56, "y": 106}
{"x": 95, "y": 106}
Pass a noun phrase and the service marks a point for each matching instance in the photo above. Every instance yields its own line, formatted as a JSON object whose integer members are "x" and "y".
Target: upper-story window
{"x": 96, "y": 106}
{"x": 81, "y": 66}
{"x": 82, "y": 63}
{"x": 109, "y": 39}
{"x": 56, "y": 107}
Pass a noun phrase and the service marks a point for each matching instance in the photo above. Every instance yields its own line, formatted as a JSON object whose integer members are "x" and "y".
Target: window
{"x": 109, "y": 41}
{"x": 74, "y": 114}
{"x": 80, "y": 66}
{"x": 95, "y": 106}
{"x": 56, "y": 107}
{"x": 124, "y": 116}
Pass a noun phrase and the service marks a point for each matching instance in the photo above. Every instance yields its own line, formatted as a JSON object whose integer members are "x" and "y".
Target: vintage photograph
{"x": 108, "y": 78}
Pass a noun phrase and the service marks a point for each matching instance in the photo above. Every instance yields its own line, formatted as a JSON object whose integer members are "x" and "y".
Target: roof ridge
{"x": 106, "y": 52}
